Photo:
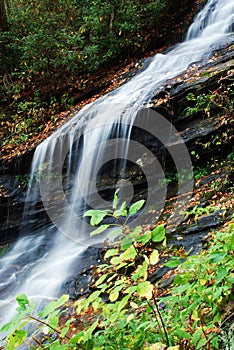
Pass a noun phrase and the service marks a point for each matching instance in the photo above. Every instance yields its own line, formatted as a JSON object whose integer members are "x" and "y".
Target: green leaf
{"x": 173, "y": 263}
{"x": 122, "y": 211}
{"x": 96, "y": 216}
{"x": 145, "y": 289}
{"x": 145, "y": 238}
{"x": 129, "y": 254}
{"x": 53, "y": 305}
{"x": 130, "y": 290}
{"x": 99, "y": 230}
{"x": 115, "y": 200}
{"x": 89, "y": 333}
{"x": 111, "y": 252}
{"x": 181, "y": 334}
{"x": 141, "y": 272}
{"x": 22, "y": 300}
{"x": 217, "y": 257}
{"x": 158, "y": 233}
{"x": 123, "y": 302}
{"x": 64, "y": 331}
{"x": 17, "y": 338}
{"x": 154, "y": 257}
{"x": 101, "y": 279}
{"x": 94, "y": 296}
{"x": 136, "y": 207}
{"x": 222, "y": 272}
{"x": 115, "y": 232}
{"x": 116, "y": 260}
{"x": 126, "y": 243}
{"x": 53, "y": 321}
{"x": 114, "y": 294}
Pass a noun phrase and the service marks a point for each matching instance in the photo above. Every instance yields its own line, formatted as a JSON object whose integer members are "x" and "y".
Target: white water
{"x": 38, "y": 264}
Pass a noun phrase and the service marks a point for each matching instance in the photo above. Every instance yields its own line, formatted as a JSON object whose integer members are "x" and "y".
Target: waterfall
{"x": 68, "y": 162}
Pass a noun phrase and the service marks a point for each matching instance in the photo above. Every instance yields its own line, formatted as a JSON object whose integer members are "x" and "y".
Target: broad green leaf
{"x": 141, "y": 272}
{"x": 76, "y": 339}
{"x": 114, "y": 294}
{"x": 111, "y": 252}
{"x": 22, "y": 300}
{"x": 17, "y": 338}
{"x": 99, "y": 230}
{"x": 129, "y": 254}
{"x": 96, "y": 216}
{"x": 122, "y": 211}
{"x": 158, "y": 233}
{"x": 136, "y": 207}
{"x": 154, "y": 257}
{"x": 64, "y": 331}
{"x": 116, "y": 260}
{"x": 53, "y": 321}
{"x": 89, "y": 333}
{"x": 53, "y": 305}
{"x": 126, "y": 242}
{"x": 94, "y": 296}
{"x": 101, "y": 279}
{"x": 173, "y": 263}
{"x": 145, "y": 289}
{"x": 181, "y": 334}
{"x": 145, "y": 238}
{"x": 115, "y": 232}
{"x": 122, "y": 265}
{"x": 217, "y": 257}
{"x": 123, "y": 302}
{"x": 130, "y": 290}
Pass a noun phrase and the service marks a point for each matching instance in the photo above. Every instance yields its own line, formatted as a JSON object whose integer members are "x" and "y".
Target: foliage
{"x": 198, "y": 211}
{"x": 47, "y": 47}
{"x": 124, "y": 310}
{"x": 221, "y": 98}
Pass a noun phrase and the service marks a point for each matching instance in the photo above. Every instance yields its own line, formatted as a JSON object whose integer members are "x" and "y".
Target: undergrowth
{"x": 126, "y": 310}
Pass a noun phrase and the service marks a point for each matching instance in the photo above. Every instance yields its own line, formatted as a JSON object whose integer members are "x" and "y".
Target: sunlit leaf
{"x": 96, "y": 216}
{"x": 136, "y": 207}
{"x": 158, "y": 233}
{"x": 122, "y": 211}
{"x": 145, "y": 289}
{"x": 111, "y": 252}
{"x": 145, "y": 238}
{"x": 141, "y": 272}
{"x": 99, "y": 230}
{"x": 154, "y": 257}
{"x": 129, "y": 254}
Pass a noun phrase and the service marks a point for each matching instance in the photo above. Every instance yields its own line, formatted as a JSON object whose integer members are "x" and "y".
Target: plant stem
{"x": 161, "y": 319}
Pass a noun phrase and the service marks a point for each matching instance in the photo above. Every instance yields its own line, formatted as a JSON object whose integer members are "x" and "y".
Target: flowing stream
{"x": 69, "y": 160}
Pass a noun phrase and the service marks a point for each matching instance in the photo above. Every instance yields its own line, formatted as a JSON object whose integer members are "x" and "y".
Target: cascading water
{"x": 40, "y": 261}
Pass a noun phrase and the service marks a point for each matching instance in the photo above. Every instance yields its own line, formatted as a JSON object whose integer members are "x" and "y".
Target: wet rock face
{"x": 12, "y": 198}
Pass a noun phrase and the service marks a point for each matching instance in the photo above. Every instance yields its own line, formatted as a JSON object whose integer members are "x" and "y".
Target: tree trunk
{"x": 3, "y": 15}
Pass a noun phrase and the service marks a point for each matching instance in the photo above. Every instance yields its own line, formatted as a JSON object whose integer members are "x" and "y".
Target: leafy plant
{"x": 124, "y": 310}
